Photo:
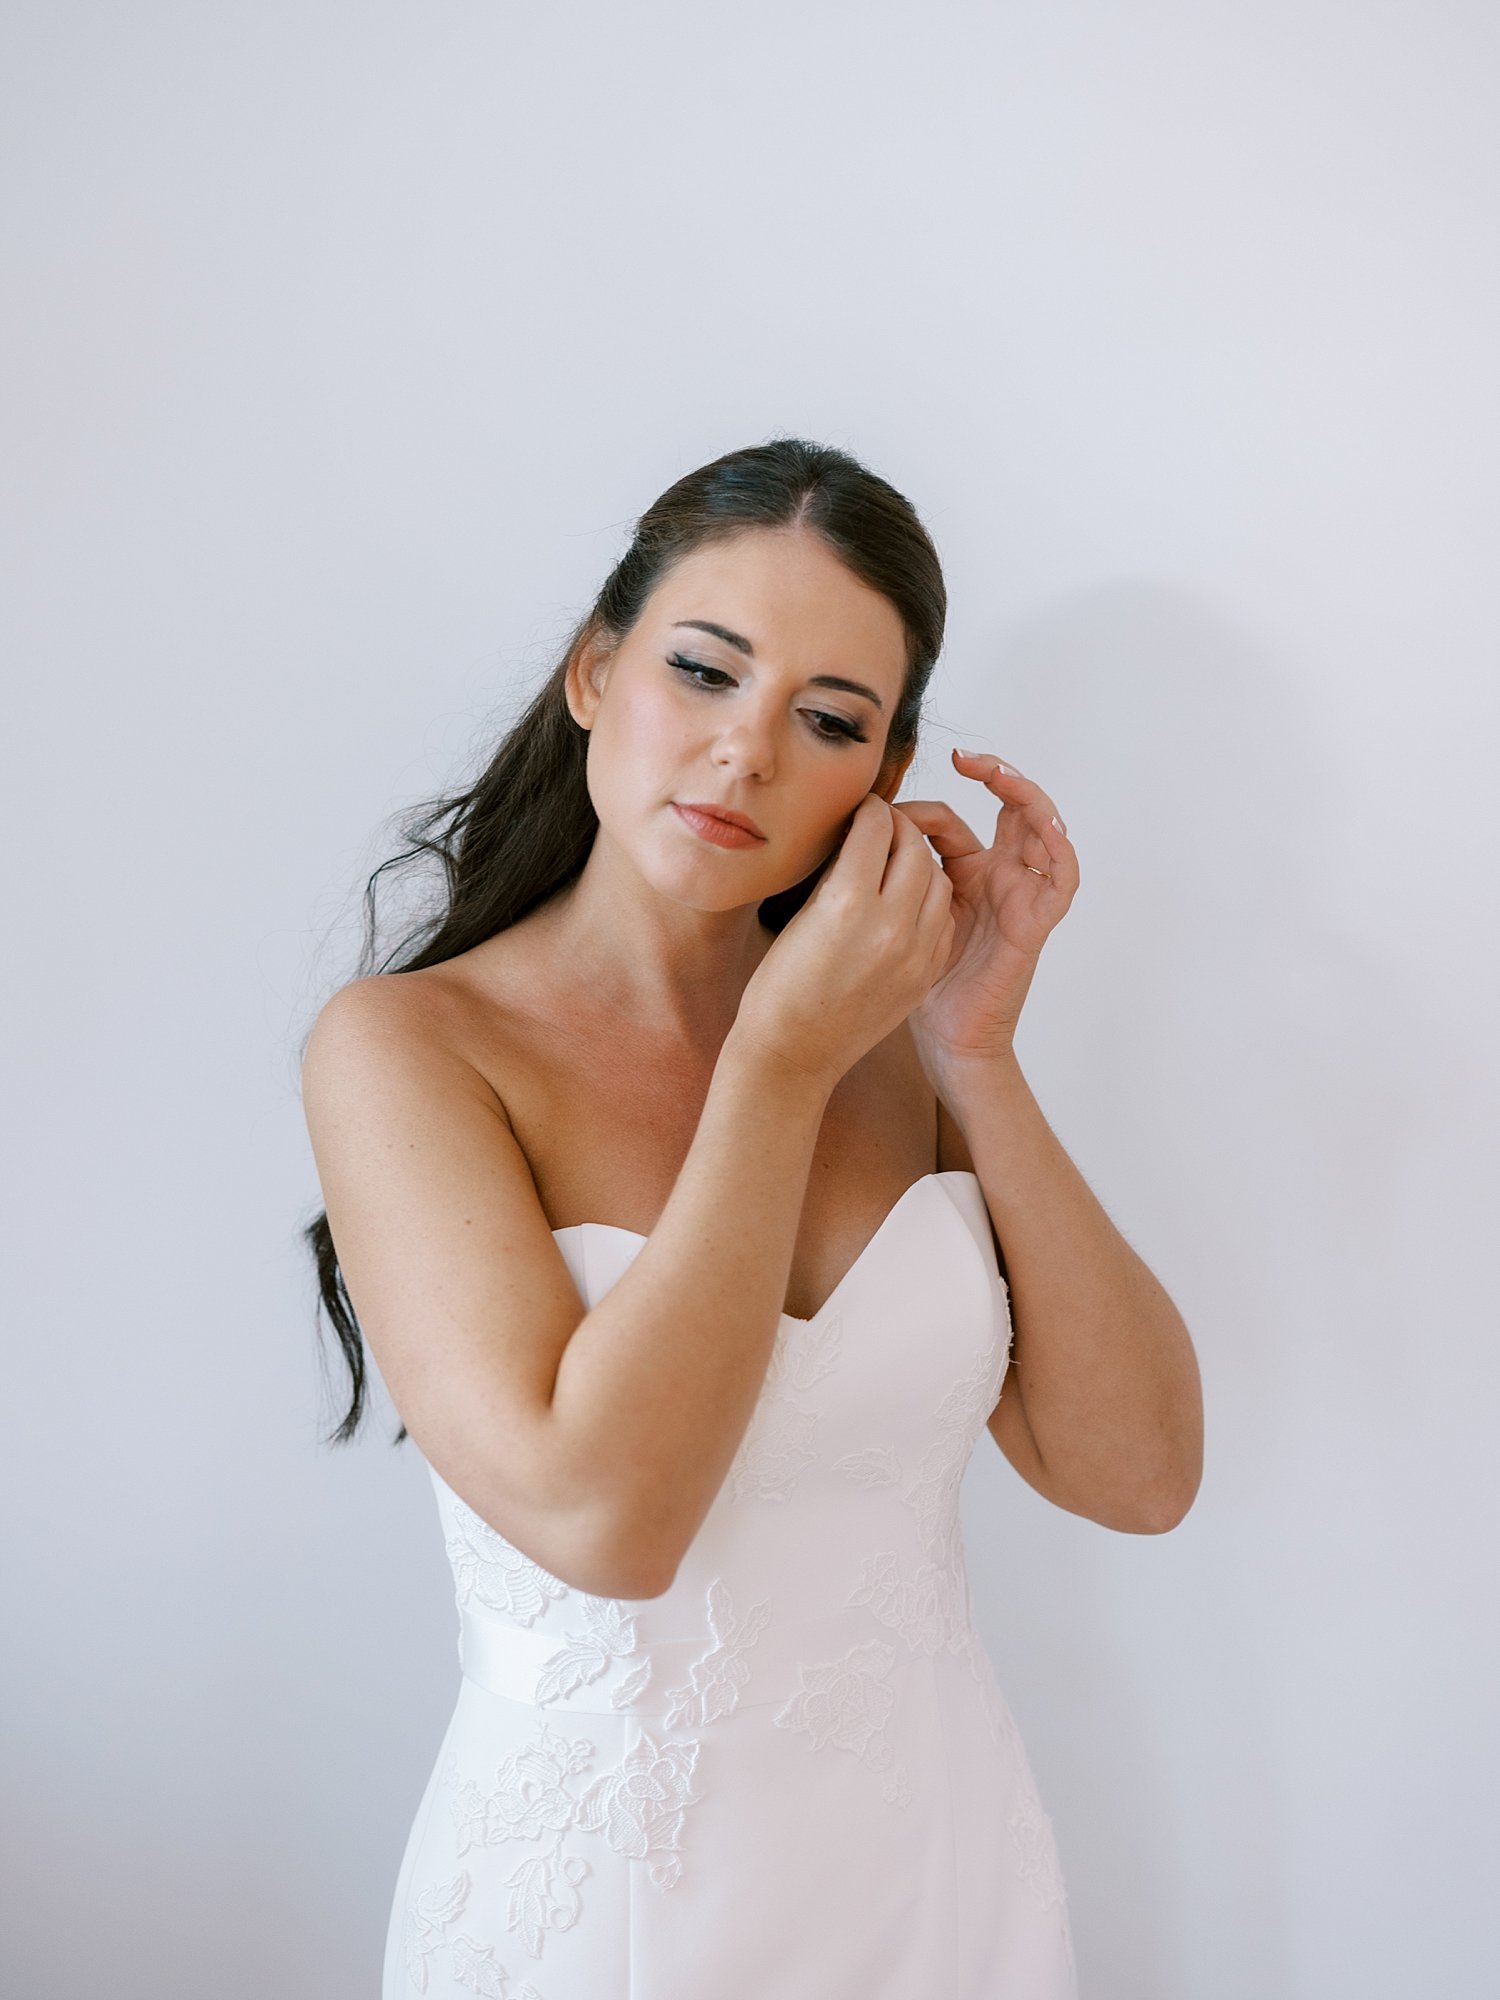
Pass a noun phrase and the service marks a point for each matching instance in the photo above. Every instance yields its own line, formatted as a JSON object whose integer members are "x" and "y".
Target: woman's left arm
{"x": 1102, "y": 1407}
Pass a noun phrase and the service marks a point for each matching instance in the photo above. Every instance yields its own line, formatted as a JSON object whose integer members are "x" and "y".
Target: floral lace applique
{"x": 1003, "y": 1731}
{"x": 1037, "y": 1846}
{"x": 933, "y": 1607}
{"x": 638, "y": 1806}
{"x": 966, "y": 1641}
{"x": 847, "y": 1702}
{"x": 933, "y": 1494}
{"x": 718, "y": 1675}
{"x": 633, "y": 1686}
{"x": 584, "y": 1656}
{"x": 778, "y": 1444}
{"x": 490, "y": 1568}
{"x": 876, "y": 1465}
{"x": 774, "y": 1452}
{"x": 928, "y": 1609}
{"x": 473, "y": 1965}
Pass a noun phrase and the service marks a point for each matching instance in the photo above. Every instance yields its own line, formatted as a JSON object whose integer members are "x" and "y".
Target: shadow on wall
{"x": 1268, "y": 1091}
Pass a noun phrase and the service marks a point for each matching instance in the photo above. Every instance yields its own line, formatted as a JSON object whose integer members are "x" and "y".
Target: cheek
{"x": 826, "y": 799}
{"x": 640, "y": 744}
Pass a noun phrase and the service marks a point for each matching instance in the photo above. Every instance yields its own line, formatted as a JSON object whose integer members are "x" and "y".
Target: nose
{"x": 746, "y": 749}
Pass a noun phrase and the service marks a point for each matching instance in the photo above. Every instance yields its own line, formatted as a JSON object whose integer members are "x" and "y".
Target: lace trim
{"x": 490, "y": 1568}
{"x": 473, "y": 1965}
{"x": 780, "y": 1441}
{"x": 542, "y": 1793}
{"x": 846, "y": 1703}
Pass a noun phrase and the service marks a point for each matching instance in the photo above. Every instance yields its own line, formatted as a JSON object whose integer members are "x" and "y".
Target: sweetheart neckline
{"x": 942, "y": 1173}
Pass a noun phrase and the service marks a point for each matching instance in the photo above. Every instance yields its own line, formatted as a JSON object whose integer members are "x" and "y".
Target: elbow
{"x": 609, "y": 1554}
{"x": 1169, "y": 1496}
{"x": 657, "y": 1584}
{"x": 635, "y": 1581}
{"x": 646, "y": 1538}
{"x": 610, "y": 1571}
{"x": 632, "y": 1568}
{"x": 590, "y": 1551}
{"x": 1169, "y": 1508}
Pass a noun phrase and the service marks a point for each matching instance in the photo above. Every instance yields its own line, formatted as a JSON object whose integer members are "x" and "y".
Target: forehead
{"x": 793, "y": 598}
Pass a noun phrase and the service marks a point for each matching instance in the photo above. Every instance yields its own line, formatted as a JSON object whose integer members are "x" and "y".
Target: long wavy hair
{"x": 522, "y": 831}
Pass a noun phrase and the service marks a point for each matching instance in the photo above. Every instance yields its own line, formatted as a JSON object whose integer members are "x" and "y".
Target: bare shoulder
{"x": 460, "y": 1291}
{"x": 442, "y": 1016}
{"x": 385, "y": 1074}
{"x": 381, "y": 1004}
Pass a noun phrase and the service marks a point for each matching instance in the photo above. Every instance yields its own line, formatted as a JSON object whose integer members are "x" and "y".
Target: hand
{"x": 858, "y": 955}
{"x": 1007, "y": 899}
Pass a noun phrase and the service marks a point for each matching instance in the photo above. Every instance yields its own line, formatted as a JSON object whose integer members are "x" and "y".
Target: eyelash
{"x": 842, "y": 731}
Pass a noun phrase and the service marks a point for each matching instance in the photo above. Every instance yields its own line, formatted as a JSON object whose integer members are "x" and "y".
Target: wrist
{"x": 774, "y": 1070}
{"x": 956, "y": 1075}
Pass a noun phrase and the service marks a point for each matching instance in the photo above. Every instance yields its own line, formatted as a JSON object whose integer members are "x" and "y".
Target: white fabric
{"x": 793, "y": 1774}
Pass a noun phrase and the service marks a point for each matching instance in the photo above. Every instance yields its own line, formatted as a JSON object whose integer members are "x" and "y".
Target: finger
{"x": 1044, "y": 832}
{"x": 851, "y": 866}
{"x": 950, "y": 835}
{"x": 935, "y": 916}
{"x": 865, "y": 844}
{"x": 1007, "y": 783}
{"x": 952, "y": 838}
{"x": 1062, "y": 858}
{"x": 1048, "y": 852}
{"x": 912, "y": 863}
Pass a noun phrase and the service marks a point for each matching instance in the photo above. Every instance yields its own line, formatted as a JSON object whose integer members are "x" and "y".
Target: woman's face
{"x": 682, "y": 716}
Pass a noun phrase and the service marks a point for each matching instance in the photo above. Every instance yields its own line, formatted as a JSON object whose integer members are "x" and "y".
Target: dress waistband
{"x": 682, "y": 1681}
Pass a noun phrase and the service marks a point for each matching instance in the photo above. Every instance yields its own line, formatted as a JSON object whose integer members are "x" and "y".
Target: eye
{"x": 839, "y": 729}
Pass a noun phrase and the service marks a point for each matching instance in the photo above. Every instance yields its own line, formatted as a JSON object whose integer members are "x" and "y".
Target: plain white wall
{"x": 342, "y": 345}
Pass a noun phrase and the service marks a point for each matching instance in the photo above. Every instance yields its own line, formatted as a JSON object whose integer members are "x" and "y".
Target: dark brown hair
{"x": 523, "y": 830}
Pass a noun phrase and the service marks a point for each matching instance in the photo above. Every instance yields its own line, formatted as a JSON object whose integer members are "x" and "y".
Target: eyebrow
{"x": 743, "y": 645}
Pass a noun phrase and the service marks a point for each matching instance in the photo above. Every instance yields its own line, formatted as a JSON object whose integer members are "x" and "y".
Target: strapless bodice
{"x": 841, "y": 1501}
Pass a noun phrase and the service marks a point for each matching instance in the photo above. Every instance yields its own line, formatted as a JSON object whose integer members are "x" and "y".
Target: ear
{"x": 587, "y": 671}
{"x": 888, "y": 783}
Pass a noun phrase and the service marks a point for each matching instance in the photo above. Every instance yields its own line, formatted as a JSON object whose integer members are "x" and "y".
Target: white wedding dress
{"x": 792, "y": 1776}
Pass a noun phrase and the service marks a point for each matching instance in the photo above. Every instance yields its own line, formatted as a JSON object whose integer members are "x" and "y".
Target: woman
{"x": 669, "y": 1179}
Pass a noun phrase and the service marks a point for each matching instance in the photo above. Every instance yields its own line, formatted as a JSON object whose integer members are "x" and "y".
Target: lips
{"x": 725, "y": 813}
{"x": 713, "y": 824}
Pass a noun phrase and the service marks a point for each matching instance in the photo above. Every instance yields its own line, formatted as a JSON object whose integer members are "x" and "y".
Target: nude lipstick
{"x": 709, "y": 823}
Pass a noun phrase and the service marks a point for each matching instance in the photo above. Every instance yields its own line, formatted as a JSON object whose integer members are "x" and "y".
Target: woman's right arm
{"x": 593, "y": 1440}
